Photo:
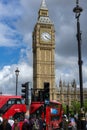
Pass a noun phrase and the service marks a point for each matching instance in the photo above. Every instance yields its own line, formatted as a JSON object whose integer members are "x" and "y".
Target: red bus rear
{"x": 12, "y": 106}
{"x": 52, "y": 114}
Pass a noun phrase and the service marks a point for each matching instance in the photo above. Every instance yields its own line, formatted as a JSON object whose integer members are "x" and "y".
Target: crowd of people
{"x": 73, "y": 123}
{"x": 36, "y": 123}
{"x": 27, "y": 124}
{"x": 6, "y": 124}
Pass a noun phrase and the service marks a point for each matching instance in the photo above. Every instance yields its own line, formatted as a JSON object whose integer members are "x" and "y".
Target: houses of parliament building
{"x": 43, "y": 46}
{"x": 67, "y": 93}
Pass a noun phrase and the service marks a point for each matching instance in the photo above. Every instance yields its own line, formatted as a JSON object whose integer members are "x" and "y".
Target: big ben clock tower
{"x": 44, "y": 51}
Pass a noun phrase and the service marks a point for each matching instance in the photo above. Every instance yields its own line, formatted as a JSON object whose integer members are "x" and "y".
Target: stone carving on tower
{"x": 44, "y": 50}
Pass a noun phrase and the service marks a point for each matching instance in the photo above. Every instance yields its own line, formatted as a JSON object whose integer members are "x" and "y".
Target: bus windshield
{"x": 55, "y": 117}
{"x": 55, "y": 105}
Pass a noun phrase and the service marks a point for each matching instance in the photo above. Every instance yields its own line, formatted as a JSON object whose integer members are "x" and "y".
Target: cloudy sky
{"x": 17, "y": 20}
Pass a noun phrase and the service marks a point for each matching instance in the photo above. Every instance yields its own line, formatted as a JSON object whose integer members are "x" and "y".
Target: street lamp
{"x": 77, "y": 10}
{"x": 16, "y": 73}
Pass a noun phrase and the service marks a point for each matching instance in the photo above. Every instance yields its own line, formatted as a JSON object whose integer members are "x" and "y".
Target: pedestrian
{"x": 1, "y": 120}
{"x": 35, "y": 123}
{"x": 25, "y": 125}
{"x": 69, "y": 125}
{"x": 5, "y": 125}
{"x": 31, "y": 122}
{"x": 40, "y": 123}
{"x": 15, "y": 126}
{"x": 64, "y": 124}
{"x": 11, "y": 121}
{"x": 72, "y": 123}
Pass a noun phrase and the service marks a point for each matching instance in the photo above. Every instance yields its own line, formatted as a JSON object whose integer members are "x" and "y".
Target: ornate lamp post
{"x": 16, "y": 73}
{"x": 77, "y": 10}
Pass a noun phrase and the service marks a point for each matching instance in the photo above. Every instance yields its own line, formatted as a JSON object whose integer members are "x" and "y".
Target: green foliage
{"x": 76, "y": 106}
{"x": 64, "y": 108}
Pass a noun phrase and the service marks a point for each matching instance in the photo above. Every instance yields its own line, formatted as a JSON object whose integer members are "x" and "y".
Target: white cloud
{"x": 66, "y": 44}
{"x": 8, "y": 77}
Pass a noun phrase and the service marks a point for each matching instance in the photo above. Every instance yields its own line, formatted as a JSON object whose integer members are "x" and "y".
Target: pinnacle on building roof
{"x": 44, "y": 18}
{"x": 43, "y": 4}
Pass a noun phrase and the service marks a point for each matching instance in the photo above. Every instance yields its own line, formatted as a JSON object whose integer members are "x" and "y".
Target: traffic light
{"x": 25, "y": 92}
{"x": 40, "y": 95}
{"x": 46, "y": 92}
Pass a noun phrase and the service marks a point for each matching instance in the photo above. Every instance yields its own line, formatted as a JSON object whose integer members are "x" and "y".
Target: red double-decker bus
{"x": 52, "y": 113}
{"x": 12, "y": 106}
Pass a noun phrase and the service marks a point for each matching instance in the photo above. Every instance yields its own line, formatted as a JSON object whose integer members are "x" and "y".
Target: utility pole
{"x": 16, "y": 73}
{"x": 77, "y": 10}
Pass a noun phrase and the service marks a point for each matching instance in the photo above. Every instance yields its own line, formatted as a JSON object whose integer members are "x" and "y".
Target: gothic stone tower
{"x": 43, "y": 51}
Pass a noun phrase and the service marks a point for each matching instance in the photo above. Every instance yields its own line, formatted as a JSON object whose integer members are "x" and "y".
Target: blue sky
{"x": 11, "y": 39}
{"x": 13, "y": 45}
{"x": 17, "y": 20}
{"x": 8, "y": 56}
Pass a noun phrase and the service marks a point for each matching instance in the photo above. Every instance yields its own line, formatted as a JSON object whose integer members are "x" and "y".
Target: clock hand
{"x": 47, "y": 37}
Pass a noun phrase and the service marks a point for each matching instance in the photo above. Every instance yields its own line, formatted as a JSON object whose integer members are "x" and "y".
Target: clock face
{"x": 45, "y": 36}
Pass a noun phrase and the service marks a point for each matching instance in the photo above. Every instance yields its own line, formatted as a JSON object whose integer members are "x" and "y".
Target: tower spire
{"x": 43, "y": 4}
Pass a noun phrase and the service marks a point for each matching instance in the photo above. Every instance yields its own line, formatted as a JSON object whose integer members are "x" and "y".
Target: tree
{"x": 75, "y": 106}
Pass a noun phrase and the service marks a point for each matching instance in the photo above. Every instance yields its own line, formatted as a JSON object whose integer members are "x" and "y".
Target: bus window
{"x": 18, "y": 101}
{"x": 22, "y": 101}
{"x": 11, "y": 101}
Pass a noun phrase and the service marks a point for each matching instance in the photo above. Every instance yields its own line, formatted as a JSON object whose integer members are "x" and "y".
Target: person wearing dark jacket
{"x": 64, "y": 124}
{"x": 5, "y": 125}
{"x": 41, "y": 123}
{"x": 25, "y": 125}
